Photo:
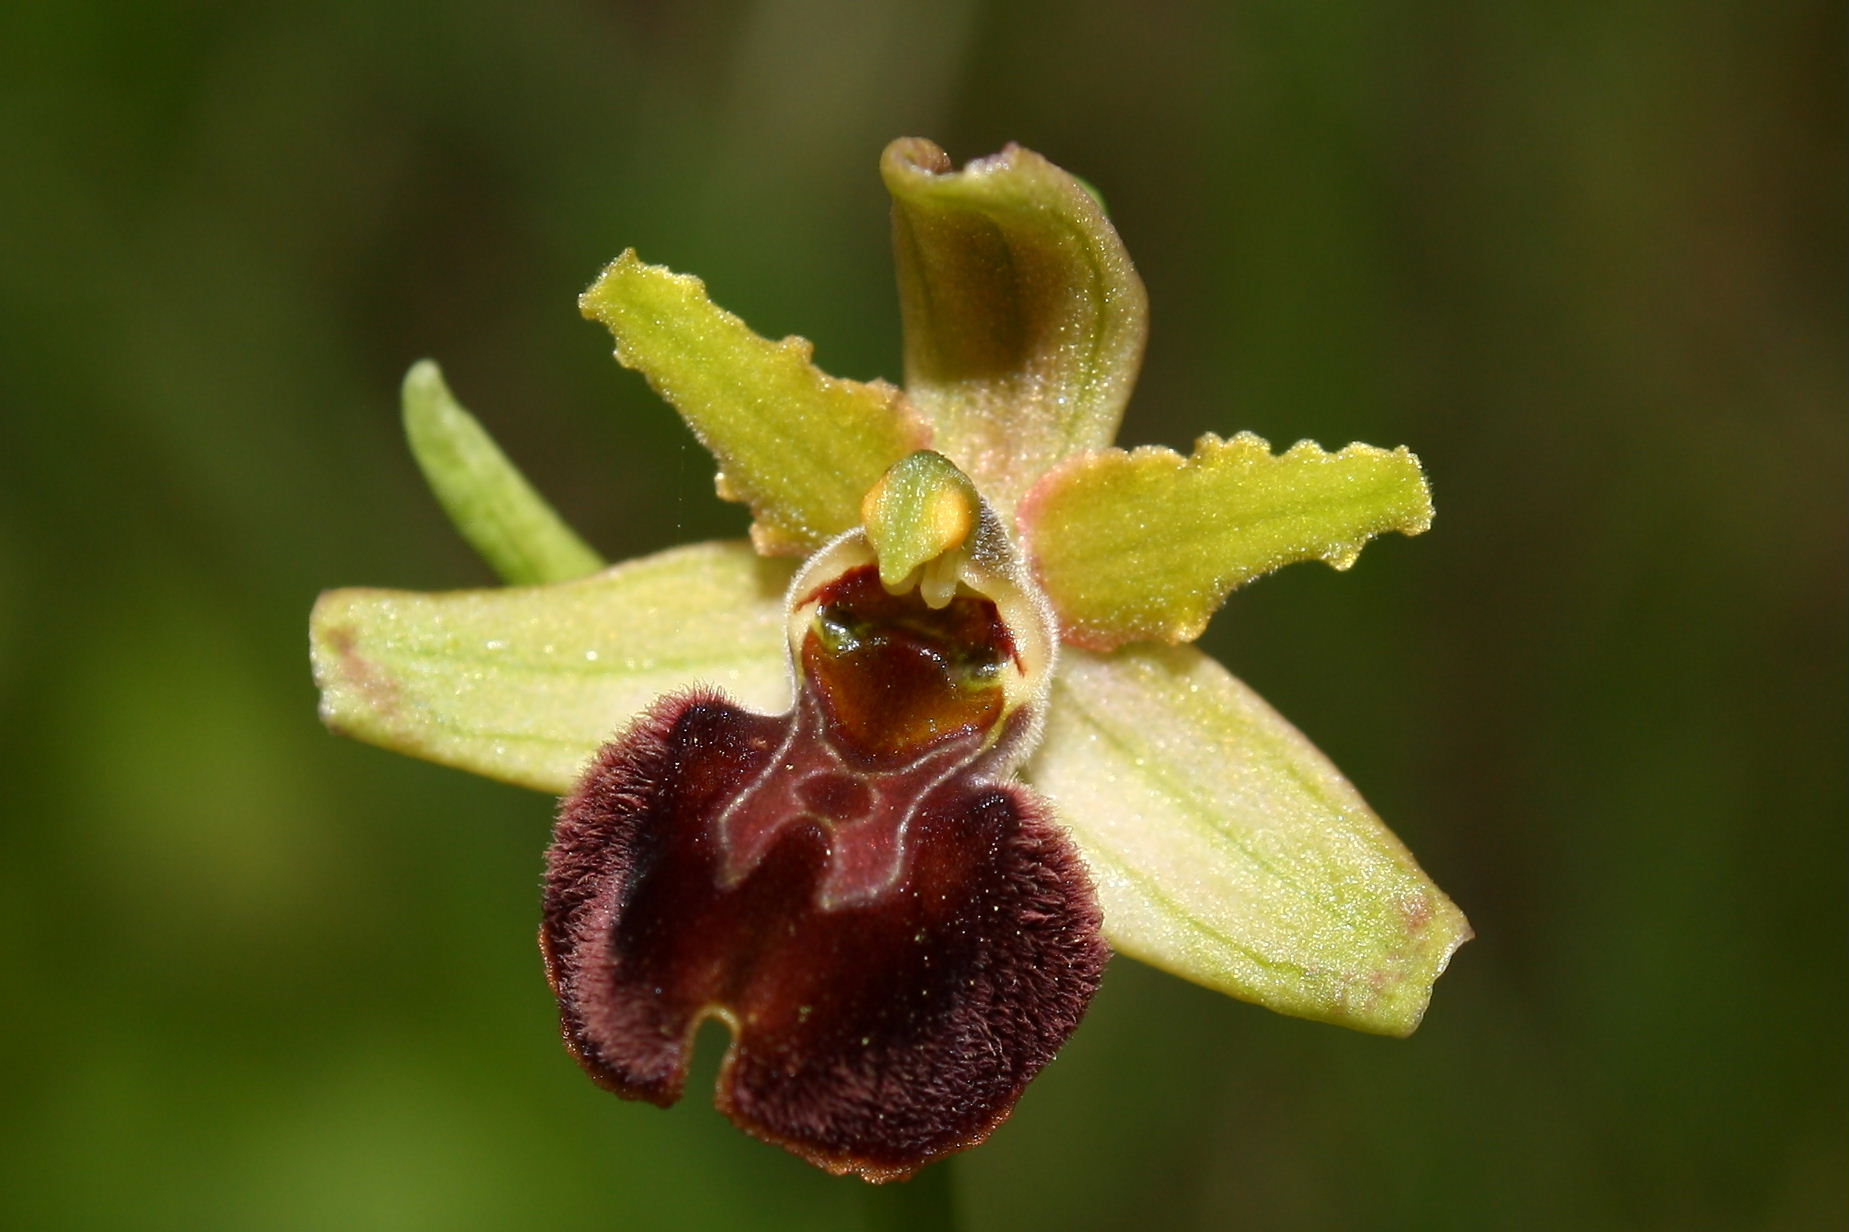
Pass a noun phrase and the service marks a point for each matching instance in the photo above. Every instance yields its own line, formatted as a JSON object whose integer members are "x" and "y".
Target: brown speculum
{"x": 898, "y": 938}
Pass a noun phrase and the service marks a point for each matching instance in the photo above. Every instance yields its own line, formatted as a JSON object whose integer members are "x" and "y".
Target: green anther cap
{"x": 919, "y": 519}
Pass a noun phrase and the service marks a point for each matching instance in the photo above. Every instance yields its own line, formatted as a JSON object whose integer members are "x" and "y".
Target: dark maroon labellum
{"x": 897, "y": 942}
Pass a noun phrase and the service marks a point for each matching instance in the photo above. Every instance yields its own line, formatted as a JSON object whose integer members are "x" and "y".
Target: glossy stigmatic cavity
{"x": 896, "y": 678}
{"x": 898, "y": 939}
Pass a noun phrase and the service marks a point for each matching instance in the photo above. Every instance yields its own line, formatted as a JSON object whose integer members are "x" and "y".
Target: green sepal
{"x": 1146, "y": 544}
{"x": 798, "y": 446}
{"x": 1024, "y": 319}
{"x": 490, "y": 502}
{"x": 524, "y": 684}
{"x": 1226, "y": 849}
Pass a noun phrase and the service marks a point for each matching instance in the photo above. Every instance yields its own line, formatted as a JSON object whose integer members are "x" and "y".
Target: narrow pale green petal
{"x": 1227, "y": 850}
{"x": 1024, "y": 319}
{"x": 1145, "y": 545}
{"x": 491, "y": 503}
{"x": 798, "y": 446}
{"x": 525, "y": 684}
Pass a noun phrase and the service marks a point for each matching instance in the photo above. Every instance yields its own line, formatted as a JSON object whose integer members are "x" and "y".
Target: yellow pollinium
{"x": 920, "y": 519}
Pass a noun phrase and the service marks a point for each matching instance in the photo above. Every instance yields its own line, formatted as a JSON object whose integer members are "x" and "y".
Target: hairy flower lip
{"x": 644, "y": 939}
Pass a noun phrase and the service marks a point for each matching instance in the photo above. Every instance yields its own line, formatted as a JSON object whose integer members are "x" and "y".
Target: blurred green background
{"x": 1587, "y": 259}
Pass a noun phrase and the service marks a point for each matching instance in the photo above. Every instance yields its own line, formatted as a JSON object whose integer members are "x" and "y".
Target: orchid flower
{"x": 876, "y": 788}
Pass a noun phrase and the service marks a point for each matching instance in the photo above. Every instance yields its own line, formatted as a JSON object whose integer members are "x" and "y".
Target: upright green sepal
{"x": 798, "y": 446}
{"x": 1146, "y": 544}
{"x": 1024, "y": 319}
{"x": 492, "y": 505}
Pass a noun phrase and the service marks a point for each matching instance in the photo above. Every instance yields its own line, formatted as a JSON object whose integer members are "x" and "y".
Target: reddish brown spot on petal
{"x": 381, "y": 691}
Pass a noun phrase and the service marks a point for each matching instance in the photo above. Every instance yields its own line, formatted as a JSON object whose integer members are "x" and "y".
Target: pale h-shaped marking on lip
{"x": 866, "y": 853}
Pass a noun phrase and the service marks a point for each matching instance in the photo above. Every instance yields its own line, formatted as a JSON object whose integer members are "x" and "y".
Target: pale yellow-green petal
{"x": 1228, "y": 850}
{"x": 492, "y": 505}
{"x": 1024, "y": 319}
{"x": 523, "y": 684}
{"x": 1146, "y": 544}
{"x": 798, "y": 446}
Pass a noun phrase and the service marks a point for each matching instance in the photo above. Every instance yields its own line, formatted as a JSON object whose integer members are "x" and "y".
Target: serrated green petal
{"x": 524, "y": 684}
{"x": 1024, "y": 319}
{"x": 798, "y": 446}
{"x": 492, "y": 505}
{"x": 1227, "y": 850}
{"x": 1146, "y": 544}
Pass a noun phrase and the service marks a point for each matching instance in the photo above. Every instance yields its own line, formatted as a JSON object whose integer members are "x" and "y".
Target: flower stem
{"x": 926, "y": 1203}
